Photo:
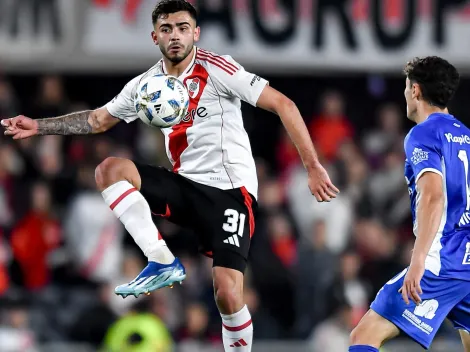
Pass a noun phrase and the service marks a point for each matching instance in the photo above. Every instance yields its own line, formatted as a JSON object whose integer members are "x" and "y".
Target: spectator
{"x": 356, "y": 178}
{"x": 337, "y": 215}
{"x": 92, "y": 323}
{"x": 354, "y": 289}
{"x": 7, "y": 163}
{"x": 388, "y": 135}
{"x": 93, "y": 234}
{"x": 283, "y": 243}
{"x": 389, "y": 191}
{"x": 311, "y": 290}
{"x": 34, "y": 237}
{"x": 141, "y": 331}
{"x": 51, "y": 100}
{"x": 333, "y": 333}
{"x": 15, "y": 331}
{"x": 196, "y": 326}
{"x": 287, "y": 154}
{"x": 331, "y": 127}
{"x": 4, "y": 261}
{"x": 8, "y": 101}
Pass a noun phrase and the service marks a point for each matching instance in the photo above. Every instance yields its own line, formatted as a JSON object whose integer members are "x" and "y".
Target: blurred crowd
{"x": 314, "y": 267}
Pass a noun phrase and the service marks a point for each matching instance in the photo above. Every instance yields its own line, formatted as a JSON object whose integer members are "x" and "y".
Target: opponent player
{"x": 436, "y": 169}
{"x": 213, "y": 186}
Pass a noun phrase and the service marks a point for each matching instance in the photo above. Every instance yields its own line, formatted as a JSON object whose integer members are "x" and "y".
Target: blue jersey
{"x": 441, "y": 144}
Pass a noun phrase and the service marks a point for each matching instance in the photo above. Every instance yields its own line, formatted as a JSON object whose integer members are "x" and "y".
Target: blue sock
{"x": 362, "y": 348}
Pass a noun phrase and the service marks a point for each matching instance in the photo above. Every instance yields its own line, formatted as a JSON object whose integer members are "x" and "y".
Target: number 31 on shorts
{"x": 235, "y": 222}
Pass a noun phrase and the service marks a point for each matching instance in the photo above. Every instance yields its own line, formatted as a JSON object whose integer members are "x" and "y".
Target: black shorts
{"x": 222, "y": 219}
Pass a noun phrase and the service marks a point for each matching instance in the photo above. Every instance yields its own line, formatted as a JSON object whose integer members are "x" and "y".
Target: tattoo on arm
{"x": 72, "y": 124}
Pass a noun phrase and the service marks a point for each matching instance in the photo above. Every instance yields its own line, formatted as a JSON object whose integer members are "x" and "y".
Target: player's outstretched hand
{"x": 20, "y": 127}
{"x": 411, "y": 285}
{"x": 320, "y": 184}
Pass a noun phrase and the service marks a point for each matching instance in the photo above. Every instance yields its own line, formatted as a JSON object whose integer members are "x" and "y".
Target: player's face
{"x": 176, "y": 35}
{"x": 410, "y": 97}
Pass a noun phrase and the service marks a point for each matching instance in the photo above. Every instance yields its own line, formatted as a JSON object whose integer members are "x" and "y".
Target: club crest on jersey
{"x": 419, "y": 155}
{"x": 193, "y": 87}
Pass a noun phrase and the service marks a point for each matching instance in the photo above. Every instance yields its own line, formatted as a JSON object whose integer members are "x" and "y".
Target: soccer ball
{"x": 161, "y": 101}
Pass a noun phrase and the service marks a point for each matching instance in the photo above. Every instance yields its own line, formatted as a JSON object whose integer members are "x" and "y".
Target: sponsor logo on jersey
{"x": 462, "y": 139}
{"x": 419, "y": 155}
{"x": 199, "y": 112}
{"x": 466, "y": 257}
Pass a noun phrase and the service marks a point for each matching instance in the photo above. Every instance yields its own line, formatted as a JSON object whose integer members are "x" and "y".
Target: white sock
{"x": 237, "y": 331}
{"x": 134, "y": 212}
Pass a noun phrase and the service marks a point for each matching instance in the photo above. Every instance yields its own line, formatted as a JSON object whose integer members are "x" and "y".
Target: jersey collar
{"x": 440, "y": 114}
{"x": 188, "y": 69}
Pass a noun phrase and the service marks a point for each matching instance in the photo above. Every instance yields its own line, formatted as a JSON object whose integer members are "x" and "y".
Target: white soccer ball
{"x": 161, "y": 101}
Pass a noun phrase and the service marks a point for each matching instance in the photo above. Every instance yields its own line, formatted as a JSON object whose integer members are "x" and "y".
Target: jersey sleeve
{"x": 122, "y": 106}
{"x": 423, "y": 151}
{"x": 231, "y": 80}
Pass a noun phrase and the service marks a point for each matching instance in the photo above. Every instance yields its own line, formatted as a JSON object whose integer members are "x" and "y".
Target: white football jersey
{"x": 210, "y": 144}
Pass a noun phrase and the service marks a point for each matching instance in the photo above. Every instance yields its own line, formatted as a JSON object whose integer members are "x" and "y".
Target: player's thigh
{"x": 440, "y": 296}
{"x": 373, "y": 330}
{"x": 232, "y": 224}
{"x": 165, "y": 191}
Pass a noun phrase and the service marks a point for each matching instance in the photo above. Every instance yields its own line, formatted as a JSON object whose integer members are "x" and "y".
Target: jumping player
{"x": 213, "y": 186}
{"x": 437, "y": 172}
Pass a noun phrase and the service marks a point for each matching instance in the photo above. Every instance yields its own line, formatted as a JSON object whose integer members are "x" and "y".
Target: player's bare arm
{"x": 428, "y": 214}
{"x": 319, "y": 182}
{"x": 78, "y": 123}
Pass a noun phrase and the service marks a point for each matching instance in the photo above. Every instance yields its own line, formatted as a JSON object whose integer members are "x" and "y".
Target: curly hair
{"x": 437, "y": 78}
{"x": 165, "y": 7}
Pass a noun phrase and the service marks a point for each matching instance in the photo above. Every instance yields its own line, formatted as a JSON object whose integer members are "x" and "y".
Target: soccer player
{"x": 213, "y": 186}
{"x": 436, "y": 285}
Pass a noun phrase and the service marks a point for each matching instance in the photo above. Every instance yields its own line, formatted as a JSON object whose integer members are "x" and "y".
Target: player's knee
{"x": 113, "y": 170}
{"x": 229, "y": 299}
{"x": 228, "y": 290}
{"x": 358, "y": 336}
{"x": 372, "y": 330}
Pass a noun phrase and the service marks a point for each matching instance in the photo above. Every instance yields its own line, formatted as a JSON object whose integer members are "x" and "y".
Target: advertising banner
{"x": 35, "y": 32}
{"x": 280, "y": 36}
{"x": 296, "y": 34}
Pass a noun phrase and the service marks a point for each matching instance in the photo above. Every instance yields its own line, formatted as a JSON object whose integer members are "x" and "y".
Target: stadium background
{"x": 314, "y": 267}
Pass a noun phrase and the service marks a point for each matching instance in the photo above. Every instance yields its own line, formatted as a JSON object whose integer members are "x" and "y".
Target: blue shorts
{"x": 442, "y": 298}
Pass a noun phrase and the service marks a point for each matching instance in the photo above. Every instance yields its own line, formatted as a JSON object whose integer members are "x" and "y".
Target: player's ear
{"x": 416, "y": 91}
{"x": 154, "y": 37}
{"x": 197, "y": 33}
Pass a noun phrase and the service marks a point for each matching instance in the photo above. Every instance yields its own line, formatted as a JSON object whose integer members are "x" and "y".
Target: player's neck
{"x": 426, "y": 110}
{"x": 177, "y": 69}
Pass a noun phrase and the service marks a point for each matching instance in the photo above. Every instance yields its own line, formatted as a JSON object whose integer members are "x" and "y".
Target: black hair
{"x": 165, "y": 7}
{"x": 437, "y": 78}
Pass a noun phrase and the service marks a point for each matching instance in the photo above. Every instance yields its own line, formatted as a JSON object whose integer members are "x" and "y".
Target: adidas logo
{"x": 141, "y": 282}
{"x": 158, "y": 108}
{"x": 233, "y": 240}
{"x": 239, "y": 343}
